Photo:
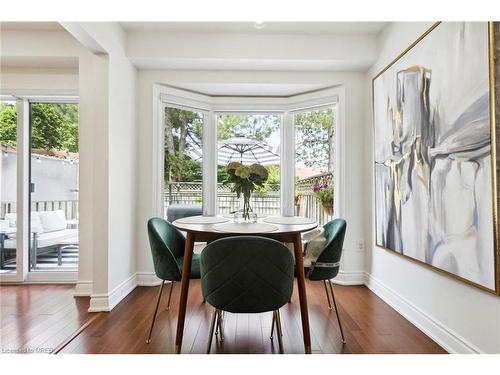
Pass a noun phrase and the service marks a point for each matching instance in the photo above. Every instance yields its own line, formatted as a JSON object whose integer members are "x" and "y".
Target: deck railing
{"x": 70, "y": 207}
{"x": 307, "y": 204}
{"x": 266, "y": 202}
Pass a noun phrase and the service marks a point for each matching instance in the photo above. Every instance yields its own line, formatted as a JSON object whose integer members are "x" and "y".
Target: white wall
{"x": 459, "y": 317}
{"x": 353, "y": 83}
{"x": 42, "y": 81}
{"x": 114, "y": 264}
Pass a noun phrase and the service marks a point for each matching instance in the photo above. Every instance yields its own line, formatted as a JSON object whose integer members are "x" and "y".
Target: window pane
{"x": 249, "y": 139}
{"x": 54, "y": 187}
{"x": 8, "y": 186}
{"x": 314, "y": 164}
{"x": 183, "y": 163}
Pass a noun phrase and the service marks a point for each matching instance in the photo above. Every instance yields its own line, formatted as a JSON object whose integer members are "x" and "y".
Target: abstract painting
{"x": 435, "y": 199}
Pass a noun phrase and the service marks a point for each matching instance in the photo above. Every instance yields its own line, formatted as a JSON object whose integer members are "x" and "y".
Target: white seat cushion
{"x": 52, "y": 220}
{"x": 10, "y": 243}
{"x": 48, "y": 239}
{"x": 36, "y": 225}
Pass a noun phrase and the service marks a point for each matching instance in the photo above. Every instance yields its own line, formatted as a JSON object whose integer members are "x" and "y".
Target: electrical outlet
{"x": 361, "y": 244}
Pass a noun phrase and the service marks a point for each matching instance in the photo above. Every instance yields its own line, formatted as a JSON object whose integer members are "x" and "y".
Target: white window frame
{"x": 167, "y": 96}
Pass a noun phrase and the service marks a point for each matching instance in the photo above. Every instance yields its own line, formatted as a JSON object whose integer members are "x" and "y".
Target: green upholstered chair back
{"x": 167, "y": 244}
{"x": 246, "y": 274}
{"x": 334, "y": 234}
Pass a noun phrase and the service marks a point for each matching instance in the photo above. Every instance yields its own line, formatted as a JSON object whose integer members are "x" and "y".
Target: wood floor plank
{"x": 41, "y": 316}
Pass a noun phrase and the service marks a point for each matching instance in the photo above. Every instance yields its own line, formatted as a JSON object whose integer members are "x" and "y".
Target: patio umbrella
{"x": 242, "y": 150}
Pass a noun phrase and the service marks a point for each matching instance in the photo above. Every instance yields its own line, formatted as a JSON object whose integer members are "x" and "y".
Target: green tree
{"x": 8, "y": 124}
{"x": 274, "y": 176}
{"x": 314, "y": 138}
{"x": 54, "y": 126}
{"x": 183, "y": 130}
{"x": 259, "y": 127}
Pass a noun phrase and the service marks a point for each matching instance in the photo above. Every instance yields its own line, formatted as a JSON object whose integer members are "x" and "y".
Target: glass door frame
{"x": 34, "y": 274}
{"x": 23, "y": 104}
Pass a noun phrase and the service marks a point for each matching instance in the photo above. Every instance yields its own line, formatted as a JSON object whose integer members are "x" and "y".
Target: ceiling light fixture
{"x": 259, "y": 25}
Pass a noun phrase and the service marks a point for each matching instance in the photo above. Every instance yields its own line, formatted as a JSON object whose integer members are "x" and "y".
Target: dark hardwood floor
{"x": 38, "y": 318}
{"x": 370, "y": 326}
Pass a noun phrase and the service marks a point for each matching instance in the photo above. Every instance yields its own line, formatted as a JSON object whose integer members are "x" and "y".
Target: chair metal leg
{"x": 170, "y": 294}
{"x": 217, "y": 325}
{"x": 220, "y": 322}
{"x": 279, "y": 331}
{"x": 337, "y": 312}
{"x": 148, "y": 340}
{"x": 327, "y": 295}
{"x": 211, "y": 332}
{"x": 272, "y": 326}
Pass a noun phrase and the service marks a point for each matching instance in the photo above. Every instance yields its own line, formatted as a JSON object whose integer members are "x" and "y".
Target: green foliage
{"x": 274, "y": 172}
{"x": 314, "y": 137}
{"x": 221, "y": 173}
{"x": 183, "y": 129}
{"x": 245, "y": 179}
{"x": 54, "y": 126}
{"x": 259, "y": 127}
{"x": 8, "y": 124}
{"x": 183, "y": 168}
{"x": 325, "y": 196}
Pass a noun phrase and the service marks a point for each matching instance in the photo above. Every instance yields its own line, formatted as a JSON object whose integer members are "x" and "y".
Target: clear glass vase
{"x": 241, "y": 218}
{"x": 246, "y": 215}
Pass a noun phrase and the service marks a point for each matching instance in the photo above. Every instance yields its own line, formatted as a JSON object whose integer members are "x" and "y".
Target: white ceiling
{"x": 339, "y": 28}
{"x": 251, "y": 89}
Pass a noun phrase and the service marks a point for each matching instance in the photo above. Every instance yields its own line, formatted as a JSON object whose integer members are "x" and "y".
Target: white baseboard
{"x": 83, "y": 288}
{"x": 350, "y": 278}
{"x": 107, "y": 301}
{"x": 147, "y": 279}
{"x": 52, "y": 277}
{"x": 444, "y": 336}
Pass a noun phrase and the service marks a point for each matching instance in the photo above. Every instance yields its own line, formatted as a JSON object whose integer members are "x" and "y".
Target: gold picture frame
{"x": 494, "y": 112}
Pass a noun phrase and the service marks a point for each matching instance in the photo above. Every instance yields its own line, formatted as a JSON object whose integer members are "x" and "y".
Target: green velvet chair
{"x": 327, "y": 265}
{"x": 167, "y": 249}
{"x": 246, "y": 274}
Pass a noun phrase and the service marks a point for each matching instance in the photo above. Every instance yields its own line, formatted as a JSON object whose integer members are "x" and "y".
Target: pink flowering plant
{"x": 323, "y": 192}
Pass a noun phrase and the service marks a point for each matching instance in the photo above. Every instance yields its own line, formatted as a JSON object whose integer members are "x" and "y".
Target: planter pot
{"x": 328, "y": 208}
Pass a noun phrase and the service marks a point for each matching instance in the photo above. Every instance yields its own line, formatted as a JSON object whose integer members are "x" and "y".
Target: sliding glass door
{"x": 8, "y": 187}
{"x": 54, "y": 161}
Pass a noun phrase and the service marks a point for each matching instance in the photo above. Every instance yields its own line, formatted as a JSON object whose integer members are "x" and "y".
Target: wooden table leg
{"x": 299, "y": 263}
{"x": 186, "y": 271}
